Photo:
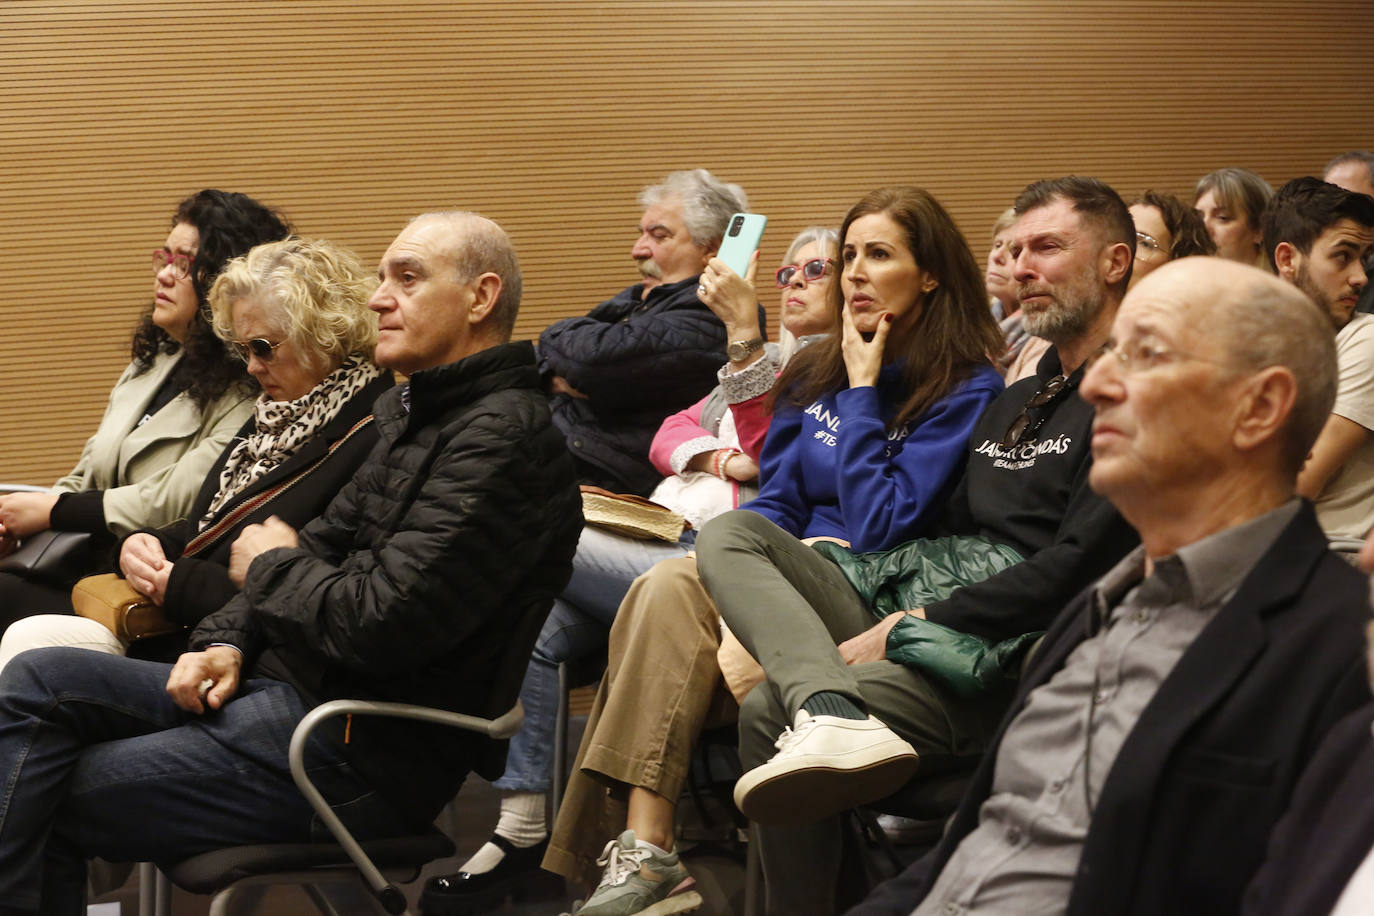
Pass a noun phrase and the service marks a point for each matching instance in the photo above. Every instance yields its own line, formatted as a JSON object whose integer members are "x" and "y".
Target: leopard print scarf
{"x": 282, "y": 427}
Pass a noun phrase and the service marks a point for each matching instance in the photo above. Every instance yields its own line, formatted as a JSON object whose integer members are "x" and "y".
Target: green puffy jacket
{"x": 916, "y": 573}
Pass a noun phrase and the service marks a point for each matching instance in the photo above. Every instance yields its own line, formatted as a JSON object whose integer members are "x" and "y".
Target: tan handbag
{"x": 121, "y": 608}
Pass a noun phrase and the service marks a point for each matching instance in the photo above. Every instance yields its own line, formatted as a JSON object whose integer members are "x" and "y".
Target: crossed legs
{"x": 790, "y": 606}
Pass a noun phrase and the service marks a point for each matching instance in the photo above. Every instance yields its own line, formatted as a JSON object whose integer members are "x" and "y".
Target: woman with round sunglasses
{"x": 295, "y": 312}
{"x": 868, "y": 433}
{"x": 170, "y": 414}
{"x": 708, "y": 455}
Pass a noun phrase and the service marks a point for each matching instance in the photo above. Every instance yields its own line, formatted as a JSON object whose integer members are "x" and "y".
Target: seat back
{"x": 510, "y": 676}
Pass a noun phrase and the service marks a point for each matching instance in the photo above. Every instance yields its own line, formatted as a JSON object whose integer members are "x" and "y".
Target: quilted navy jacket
{"x": 405, "y": 589}
{"x": 638, "y": 358}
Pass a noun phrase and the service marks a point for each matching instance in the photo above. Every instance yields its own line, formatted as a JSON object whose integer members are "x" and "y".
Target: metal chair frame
{"x": 155, "y": 889}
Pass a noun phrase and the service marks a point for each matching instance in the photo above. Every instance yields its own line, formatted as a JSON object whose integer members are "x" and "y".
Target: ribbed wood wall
{"x": 550, "y": 116}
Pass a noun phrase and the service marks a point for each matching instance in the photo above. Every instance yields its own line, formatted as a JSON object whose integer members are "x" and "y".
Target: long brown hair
{"x": 954, "y": 333}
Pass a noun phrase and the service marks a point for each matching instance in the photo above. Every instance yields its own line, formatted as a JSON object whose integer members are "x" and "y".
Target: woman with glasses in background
{"x": 169, "y": 416}
{"x": 709, "y": 456}
{"x": 295, "y": 315}
{"x": 1166, "y": 229}
{"x": 1231, "y": 202}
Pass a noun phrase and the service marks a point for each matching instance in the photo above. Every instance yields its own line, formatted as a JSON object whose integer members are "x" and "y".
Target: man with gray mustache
{"x": 650, "y": 350}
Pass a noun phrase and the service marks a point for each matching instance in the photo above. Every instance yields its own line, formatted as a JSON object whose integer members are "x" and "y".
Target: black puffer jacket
{"x": 406, "y": 588}
{"x": 637, "y": 360}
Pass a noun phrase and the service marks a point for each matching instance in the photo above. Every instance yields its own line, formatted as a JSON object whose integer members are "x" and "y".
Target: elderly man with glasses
{"x": 1021, "y": 535}
{"x": 1163, "y": 723}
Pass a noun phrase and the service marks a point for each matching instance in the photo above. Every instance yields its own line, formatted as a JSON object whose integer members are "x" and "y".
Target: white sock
{"x": 522, "y": 818}
{"x": 521, "y": 822}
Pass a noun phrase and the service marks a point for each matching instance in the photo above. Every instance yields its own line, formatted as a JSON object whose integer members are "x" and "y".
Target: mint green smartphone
{"x": 742, "y": 236}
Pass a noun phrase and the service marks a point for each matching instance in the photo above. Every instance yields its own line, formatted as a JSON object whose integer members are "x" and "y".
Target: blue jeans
{"x": 605, "y": 565}
{"x": 100, "y": 762}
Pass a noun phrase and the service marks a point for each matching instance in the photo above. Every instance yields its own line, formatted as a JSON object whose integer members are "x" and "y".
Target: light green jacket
{"x": 151, "y": 473}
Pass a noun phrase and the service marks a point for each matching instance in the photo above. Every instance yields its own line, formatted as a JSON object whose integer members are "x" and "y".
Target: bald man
{"x": 407, "y": 589}
{"x": 1160, "y": 728}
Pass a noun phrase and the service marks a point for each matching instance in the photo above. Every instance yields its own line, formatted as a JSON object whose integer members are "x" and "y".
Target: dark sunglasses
{"x": 1024, "y": 426}
{"x": 260, "y": 347}
{"x": 812, "y": 270}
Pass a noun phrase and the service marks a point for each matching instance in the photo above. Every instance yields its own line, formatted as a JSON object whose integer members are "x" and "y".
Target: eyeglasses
{"x": 1136, "y": 356}
{"x": 812, "y": 270}
{"x": 1025, "y": 426}
{"x": 260, "y": 347}
{"x": 181, "y": 263}
{"x": 1147, "y": 247}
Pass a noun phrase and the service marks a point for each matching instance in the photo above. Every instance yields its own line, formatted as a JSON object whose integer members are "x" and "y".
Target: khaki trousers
{"x": 662, "y": 686}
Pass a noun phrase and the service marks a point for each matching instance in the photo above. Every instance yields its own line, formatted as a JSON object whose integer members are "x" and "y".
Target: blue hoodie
{"x": 833, "y": 469}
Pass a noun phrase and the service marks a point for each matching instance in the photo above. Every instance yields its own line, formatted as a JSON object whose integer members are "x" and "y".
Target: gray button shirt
{"x": 1056, "y": 753}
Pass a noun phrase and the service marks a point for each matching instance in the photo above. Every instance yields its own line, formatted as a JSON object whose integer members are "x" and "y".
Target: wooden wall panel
{"x": 549, "y": 116}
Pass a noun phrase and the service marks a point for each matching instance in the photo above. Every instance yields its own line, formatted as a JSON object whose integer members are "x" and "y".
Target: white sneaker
{"x": 825, "y": 764}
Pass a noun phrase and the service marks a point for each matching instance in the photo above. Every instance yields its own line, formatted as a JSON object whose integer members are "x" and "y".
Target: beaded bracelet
{"x": 720, "y": 459}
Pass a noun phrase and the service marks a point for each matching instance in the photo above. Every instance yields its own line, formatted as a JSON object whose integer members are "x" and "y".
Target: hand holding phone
{"x": 727, "y": 282}
{"x": 742, "y": 235}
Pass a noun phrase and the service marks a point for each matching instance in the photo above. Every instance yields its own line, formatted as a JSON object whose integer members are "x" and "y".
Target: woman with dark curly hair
{"x": 169, "y": 416}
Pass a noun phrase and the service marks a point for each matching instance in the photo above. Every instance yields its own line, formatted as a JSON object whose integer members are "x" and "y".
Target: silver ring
{"x": 701, "y": 289}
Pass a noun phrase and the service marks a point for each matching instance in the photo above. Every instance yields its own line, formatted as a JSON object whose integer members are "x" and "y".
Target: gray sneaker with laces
{"x": 639, "y": 881}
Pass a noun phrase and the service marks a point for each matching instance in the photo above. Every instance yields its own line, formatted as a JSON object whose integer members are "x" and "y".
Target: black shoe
{"x": 465, "y": 894}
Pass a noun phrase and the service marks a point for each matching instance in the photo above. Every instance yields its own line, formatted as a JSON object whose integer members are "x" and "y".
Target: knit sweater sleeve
{"x": 747, "y": 393}
{"x": 679, "y": 439}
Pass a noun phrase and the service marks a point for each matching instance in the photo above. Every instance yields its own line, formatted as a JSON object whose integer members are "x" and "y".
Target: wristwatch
{"x": 739, "y": 350}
